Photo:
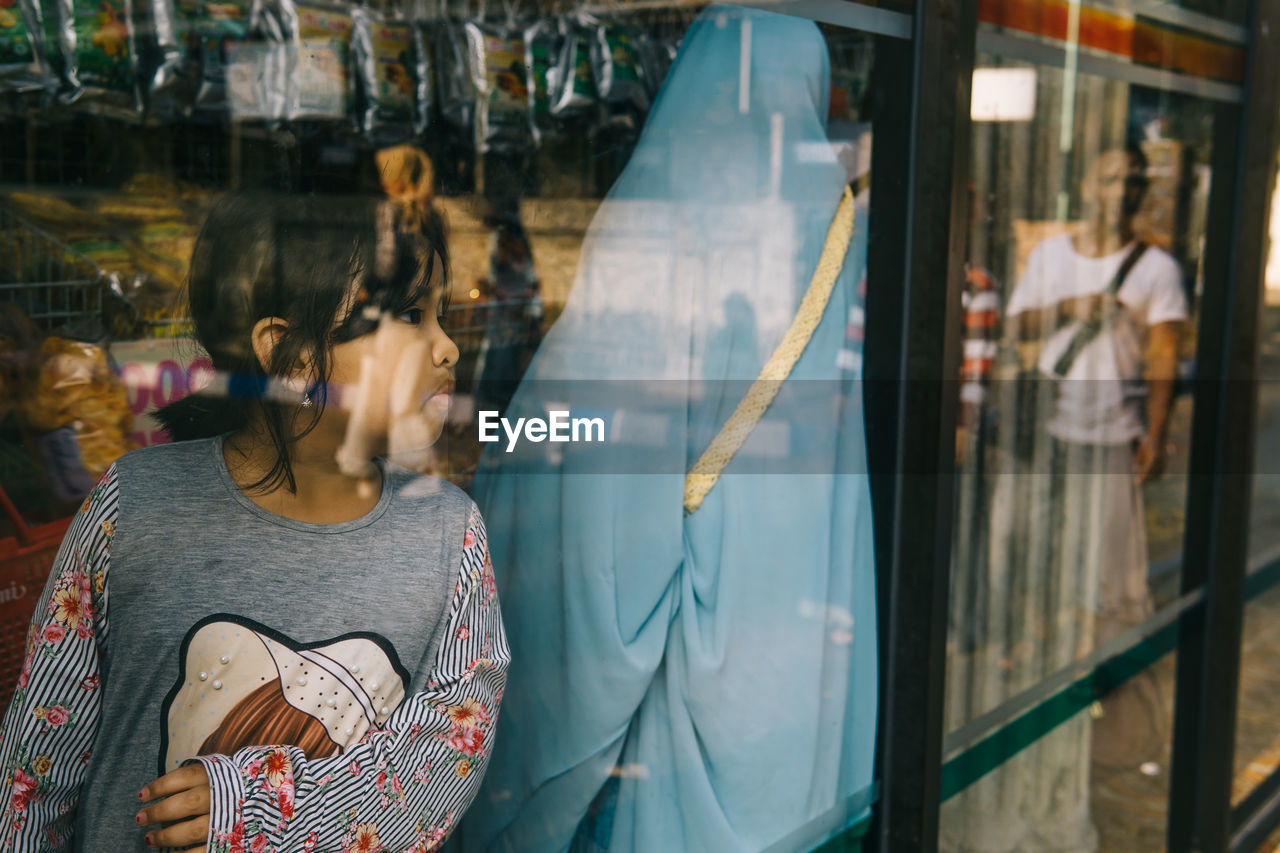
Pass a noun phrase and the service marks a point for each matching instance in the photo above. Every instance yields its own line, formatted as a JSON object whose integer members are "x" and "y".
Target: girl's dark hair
{"x": 306, "y": 259}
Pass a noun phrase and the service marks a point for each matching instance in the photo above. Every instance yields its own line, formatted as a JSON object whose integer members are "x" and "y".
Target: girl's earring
{"x": 306, "y": 401}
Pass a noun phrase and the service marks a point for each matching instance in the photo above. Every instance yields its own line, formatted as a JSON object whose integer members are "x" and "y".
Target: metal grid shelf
{"x": 56, "y": 286}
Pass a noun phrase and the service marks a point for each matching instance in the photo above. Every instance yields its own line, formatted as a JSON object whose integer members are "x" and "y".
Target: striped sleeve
{"x": 49, "y": 730}
{"x": 401, "y": 787}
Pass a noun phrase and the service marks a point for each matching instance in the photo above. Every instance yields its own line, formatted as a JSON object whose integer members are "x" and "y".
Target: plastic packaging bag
{"x": 656, "y": 55}
{"x": 22, "y": 64}
{"x": 385, "y": 61}
{"x": 617, "y": 69}
{"x": 575, "y": 86}
{"x": 259, "y": 71}
{"x": 363, "y": 68}
{"x": 324, "y": 85}
{"x": 424, "y": 83}
{"x": 497, "y": 55}
{"x": 215, "y": 27}
{"x": 542, "y": 43}
{"x": 58, "y": 37}
{"x": 76, "y": 388}
{"x": 168, "y": 68}
{"x": 97, "y": 50}
{"x": 457, "y": 100}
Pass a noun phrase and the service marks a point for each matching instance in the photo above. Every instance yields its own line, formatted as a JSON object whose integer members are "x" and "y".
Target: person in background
{"x": 1109, "y": 311}
{"x": 1066, "y": 569}
{"x": 513, "y": 327}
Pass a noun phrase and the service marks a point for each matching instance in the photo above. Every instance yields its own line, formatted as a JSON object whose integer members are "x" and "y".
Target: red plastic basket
{"x": 25, "y": 561}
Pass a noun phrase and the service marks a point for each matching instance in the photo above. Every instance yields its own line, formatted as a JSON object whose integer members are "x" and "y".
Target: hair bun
{"x": 407, "y": 174}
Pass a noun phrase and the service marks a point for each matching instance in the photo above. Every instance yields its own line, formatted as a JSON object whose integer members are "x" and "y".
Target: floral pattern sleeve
{"x": 401, "y": 787}
{"x": 49, "y": 730}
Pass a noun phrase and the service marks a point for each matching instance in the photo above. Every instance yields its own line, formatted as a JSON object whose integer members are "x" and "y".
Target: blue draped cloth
{"x": 713, "y": 674}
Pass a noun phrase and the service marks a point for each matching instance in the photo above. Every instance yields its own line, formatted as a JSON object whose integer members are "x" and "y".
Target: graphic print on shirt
{"x": 243, "y": 684}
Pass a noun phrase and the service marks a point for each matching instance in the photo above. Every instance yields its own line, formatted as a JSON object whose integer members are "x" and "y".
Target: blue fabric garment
{"x": 719, "y": 667}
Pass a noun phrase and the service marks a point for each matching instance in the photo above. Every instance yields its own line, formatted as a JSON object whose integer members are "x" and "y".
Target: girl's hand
{"x": 183, "y": 806}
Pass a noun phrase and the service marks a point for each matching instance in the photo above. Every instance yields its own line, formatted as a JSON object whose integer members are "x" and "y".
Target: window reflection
{"x": 1089, "y": 200}
{"x": 715, "y": 683}
{"x": 731, "y": 612}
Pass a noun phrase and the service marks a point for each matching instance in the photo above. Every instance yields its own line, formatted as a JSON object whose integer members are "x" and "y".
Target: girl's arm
{"x": 51, "y": 725}
{"x": 402, "y": 787}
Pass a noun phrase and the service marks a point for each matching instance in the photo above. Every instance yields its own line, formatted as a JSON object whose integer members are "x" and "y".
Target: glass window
{"x": 337, "y": 272}
{"x": 1255, "y": 754}
{"x": 1088, "y": 194}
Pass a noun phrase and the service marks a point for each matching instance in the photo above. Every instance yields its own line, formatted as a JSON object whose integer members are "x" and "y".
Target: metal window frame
{"x": 920, "y": 168}
{"x": 1224, "y": 431}
{"x": 919, "y": 217}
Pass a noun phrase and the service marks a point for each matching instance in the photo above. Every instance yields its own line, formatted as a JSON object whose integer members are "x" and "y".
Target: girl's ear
{"x": 265, "y": 337}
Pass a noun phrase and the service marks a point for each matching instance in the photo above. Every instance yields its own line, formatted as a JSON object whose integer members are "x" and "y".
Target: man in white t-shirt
{"x": 1066, "y": 283}
{"x": 1111, "y": 414}
{"x": 1068, "y": 551}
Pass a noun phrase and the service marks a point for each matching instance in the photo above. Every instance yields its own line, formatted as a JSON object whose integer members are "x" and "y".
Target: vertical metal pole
{"x": 30, "y": 150}
{"x": 915, "y": 275}
{"x": 1222, "y": 449}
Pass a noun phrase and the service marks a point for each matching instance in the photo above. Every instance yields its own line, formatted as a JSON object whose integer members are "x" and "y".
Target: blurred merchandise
{"x": 542, "y": 44}
{"x": 616, "y": 65}
{"x": 500, "y": 79}
{"x": 389, "y": 66}
{"x": 49, "y": 283}
{"x": 78, "y": 407}
{"x": 575, "y": 91}
{"x": 1157, "y": 221}
{"x": 140, "y": 239}
{"x": 21, "y": 62}
{"x": 90, "y": 46}
{"x": 215, "y": 26}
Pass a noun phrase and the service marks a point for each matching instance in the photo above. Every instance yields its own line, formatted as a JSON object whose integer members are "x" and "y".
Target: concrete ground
{"x": 1129, "y": 807}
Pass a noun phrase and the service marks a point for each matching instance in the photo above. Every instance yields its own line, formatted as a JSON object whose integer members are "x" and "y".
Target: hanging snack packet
{"x": 276, "y": 23}
{"x": 383, "y": 53}
{"x": 424, "y": 84}
{"x": 75, "y": 389}
{"x": 21, "y": 47}
{"x": 58, "y": 46}
{"x": 617, "y": 70}
{"x": 323, "y": 86}
{"x": 250, "y": 69}
{"x": 575, "y": 92}
{"x": 105, "y": 50}
{"x": 851, "y": 69}
{"x": 364, "y": 68}
{"x": 168, "y": 68}
{"x": 258, "y": 70}
{"x": 453, "y": 74}
{"x": 90, "y": 48}
{"x": 215, "y": 27}
{"x": 501, "y": 84}
{"x": 655, "y": 61}
{"x": 541, "y": 50}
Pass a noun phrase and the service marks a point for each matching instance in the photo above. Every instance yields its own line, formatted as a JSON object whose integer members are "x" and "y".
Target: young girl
{"x": 241, "y": 645}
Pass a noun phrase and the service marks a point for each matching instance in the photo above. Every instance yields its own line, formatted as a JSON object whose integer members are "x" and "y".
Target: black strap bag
{"x": 1035, "y": 391}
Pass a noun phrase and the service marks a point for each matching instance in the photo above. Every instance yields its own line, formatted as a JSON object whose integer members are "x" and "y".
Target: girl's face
{"x": 395, "y": 385}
